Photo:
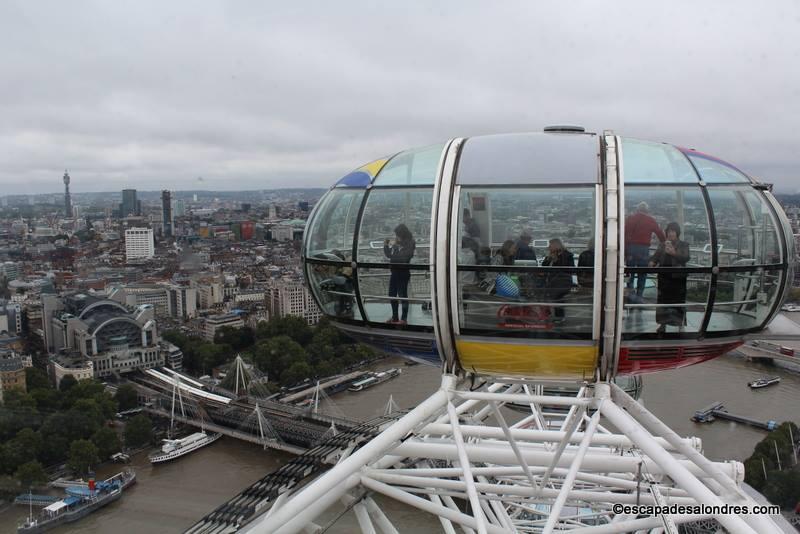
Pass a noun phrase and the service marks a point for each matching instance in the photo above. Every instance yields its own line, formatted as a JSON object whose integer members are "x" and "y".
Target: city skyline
{"x": 244, "y": 96}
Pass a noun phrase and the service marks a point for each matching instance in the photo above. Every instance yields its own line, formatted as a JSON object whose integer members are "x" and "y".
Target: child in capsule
{"x": 399, "y": 252}
{"x": 671, "y": 286}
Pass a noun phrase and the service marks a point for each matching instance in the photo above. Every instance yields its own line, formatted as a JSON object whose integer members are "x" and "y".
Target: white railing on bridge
{"x": 186, "y": 387}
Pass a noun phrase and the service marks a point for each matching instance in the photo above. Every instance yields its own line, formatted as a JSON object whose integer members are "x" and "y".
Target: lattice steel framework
{"x": 562, "y": 467}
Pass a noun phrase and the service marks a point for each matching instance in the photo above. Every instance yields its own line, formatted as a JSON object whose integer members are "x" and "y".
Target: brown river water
{"x": 170, "y": 497}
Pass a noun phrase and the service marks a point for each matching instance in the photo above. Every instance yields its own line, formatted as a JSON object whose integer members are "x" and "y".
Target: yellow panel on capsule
{"x": 552, "y": 361}
{"x": 373, "y": 168}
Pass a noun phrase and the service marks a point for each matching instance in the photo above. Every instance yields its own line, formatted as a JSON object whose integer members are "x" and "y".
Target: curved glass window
{"x": 746, "y": 231}
{"x": 744, "y": 299}
{"x": 645, "y": 161}
{"x": 668, "y": 256}
{"x": 331, "y": 232}
{"x": 333, "y": 286}
{"x": 543, "y": 158}
{"x": 398, "y": 295}
{"x": 388, "y": 208}
{"x": 412, "y": 167}
{"x": 395, "y": 231}
{"x": 712, "y": 170}
{"x": 526, "y": 261}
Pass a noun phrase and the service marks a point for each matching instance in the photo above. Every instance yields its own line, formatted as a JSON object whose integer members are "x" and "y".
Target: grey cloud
{"x": 250, "y": 95}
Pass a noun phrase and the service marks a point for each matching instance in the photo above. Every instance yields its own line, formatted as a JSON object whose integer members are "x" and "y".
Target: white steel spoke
{"x": 463, "y": 459}
{"x": 555, "y": 471}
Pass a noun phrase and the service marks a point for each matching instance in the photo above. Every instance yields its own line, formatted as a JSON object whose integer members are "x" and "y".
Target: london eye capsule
{"x": 559, "y": 255}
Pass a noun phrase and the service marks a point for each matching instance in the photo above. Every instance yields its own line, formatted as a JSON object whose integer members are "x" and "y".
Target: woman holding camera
{"x": 671, "y": 286}
{"x": 399, "y": 252}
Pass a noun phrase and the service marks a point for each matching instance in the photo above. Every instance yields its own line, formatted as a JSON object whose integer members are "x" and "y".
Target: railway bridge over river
{"x": 269, "y": 423}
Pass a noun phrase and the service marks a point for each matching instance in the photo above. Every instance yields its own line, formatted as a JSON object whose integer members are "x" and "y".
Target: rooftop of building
{"x": 71, "y": 360}
{"x": 10, "y": 364}
{"x": 223, "y": 317}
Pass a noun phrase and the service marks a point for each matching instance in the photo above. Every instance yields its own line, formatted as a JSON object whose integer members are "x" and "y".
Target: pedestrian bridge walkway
{"x": 266, "y": 441}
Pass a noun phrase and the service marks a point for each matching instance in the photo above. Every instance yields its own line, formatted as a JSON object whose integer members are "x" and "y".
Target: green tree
{"x": 12, "y": 420}
{"x": 277, "y": 354}
{"x": 209, "y": 356}
{"x": 25, "y": 446}
{"x": 783, "y": 488}
{"x": 326, "y": 343}
{"x": 237, "y": 338}
{"x": 173, "y": 336}
{"x": 297, "y": 372}
{"x": 85, "y": 389}
{"x": 780, "y": 487}
{"x": 70, "y": 426}
{"x": 16, "y": 399}
{"x": 108, "y": 404}
{"x": 289, "y": 325}
{"x": 6, "y": 465}
{"x": 107, "y": 442}
{"x": 754, "y": 471}
{"x": 138, "y": 431}
{"x": 67, "y": 382}
{"x": 82, "y": 456}
{"x": 127, "y": 398}
{"x": 47, "y": 399}
{"x": 91, "y": 409}
{"x": 31, "y": 474}
{"x": 36, "y": 379}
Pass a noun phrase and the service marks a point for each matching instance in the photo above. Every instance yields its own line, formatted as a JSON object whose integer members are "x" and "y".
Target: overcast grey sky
{"x": 253, "y": 95}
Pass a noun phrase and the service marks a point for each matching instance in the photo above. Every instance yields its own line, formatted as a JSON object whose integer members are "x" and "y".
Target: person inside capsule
{"x": 671, "y": 286}
{"x": 399, "y": 252}
{"x": 639, "y": 229}
{"x": 558, "y": 283}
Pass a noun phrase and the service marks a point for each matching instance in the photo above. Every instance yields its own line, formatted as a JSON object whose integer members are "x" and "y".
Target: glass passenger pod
{"x": 526, "y": 285}
{"x": 704, "y": 260}
{"x": 368, "y": 253}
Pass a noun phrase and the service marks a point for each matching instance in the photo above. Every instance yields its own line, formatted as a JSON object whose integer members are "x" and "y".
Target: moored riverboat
{"x": 79, "y": 502}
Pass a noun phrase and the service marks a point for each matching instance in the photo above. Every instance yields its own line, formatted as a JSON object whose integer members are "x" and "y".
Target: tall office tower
{"x": 180, "y": 208}
{"x": 129, "y": 206}
{"x": 166, "y": 213}
{"x": 67, "y": 198}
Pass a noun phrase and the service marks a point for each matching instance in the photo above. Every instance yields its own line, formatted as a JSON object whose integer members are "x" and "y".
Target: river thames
{"x": 170, "y": 497}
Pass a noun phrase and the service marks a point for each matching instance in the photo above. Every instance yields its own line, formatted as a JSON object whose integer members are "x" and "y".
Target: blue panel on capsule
{"x": 355, "y": 179}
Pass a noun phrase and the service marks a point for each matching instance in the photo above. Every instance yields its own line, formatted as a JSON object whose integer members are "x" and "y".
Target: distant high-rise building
{"x": 166, "y": 213}
{"x": 248, "y": 230}
{"x": 194, "y": 197}
{"x": 130, "y": 205}
{"x": 67, "y": 198}
{"x": 303, "y": 205}
{"x": 139, "y": 244}
{"x": 246, "y": 207}
{"x": 291, "y": 297}
{"x": 180, "y": 208}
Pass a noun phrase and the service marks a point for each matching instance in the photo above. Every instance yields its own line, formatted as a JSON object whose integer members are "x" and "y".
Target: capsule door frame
{"x": 445, "y": 235}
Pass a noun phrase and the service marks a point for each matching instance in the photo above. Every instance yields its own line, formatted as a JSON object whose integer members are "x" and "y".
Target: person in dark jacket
{"x": 558, "y": 283}
{"x": 586, "y": 259}
{"x": 399, "y": 253}
{"x": 671, "y": 286}
{"x": 471, "y": 226}
{"x": 524, "y": 249}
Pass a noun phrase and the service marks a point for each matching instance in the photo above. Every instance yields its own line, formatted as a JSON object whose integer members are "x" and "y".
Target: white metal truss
{"x": 562, "y": 467}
